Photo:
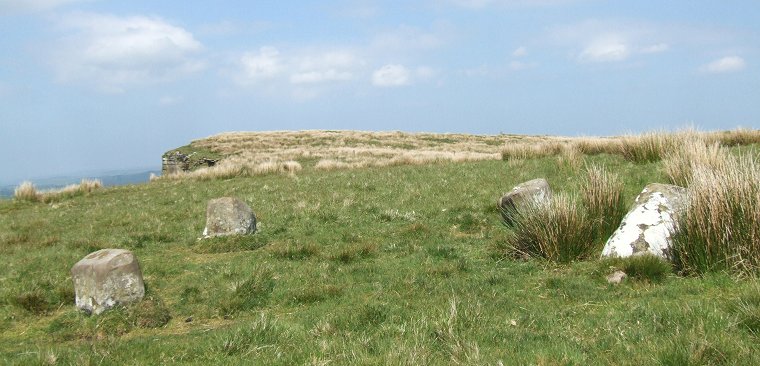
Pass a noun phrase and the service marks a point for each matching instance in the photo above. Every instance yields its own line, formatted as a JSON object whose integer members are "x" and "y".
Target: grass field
{"x": 398, "y": 264}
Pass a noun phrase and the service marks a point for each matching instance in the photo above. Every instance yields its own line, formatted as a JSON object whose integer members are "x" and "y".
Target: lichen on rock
{"x": 106, "y": 278}
{"x": 650, "y": 224}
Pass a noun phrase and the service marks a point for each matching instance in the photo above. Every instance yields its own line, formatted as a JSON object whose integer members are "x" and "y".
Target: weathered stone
{"x": 176, "y": 162}
{"x": 228, "y": 216}
{"x": 649, "y": 226}
{"x": 532, "y": 191}
{"x": 616, "y": 277}
{"x": 107, "y": 278}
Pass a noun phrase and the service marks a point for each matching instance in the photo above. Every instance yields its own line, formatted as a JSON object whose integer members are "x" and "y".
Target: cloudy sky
{"x": 91, "y": 84}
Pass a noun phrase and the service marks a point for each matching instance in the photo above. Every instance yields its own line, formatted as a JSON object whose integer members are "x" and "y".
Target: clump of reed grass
{"x": 571, "y": 156}
{"x": 26, "y": 191}
{"x": 735, "y": 137}
{"x": 601, "y": 192}
{"x": 556, "y": 229}
{"x": 332, "y": 164}
{"x": 531, "y": 150}
{"x": 647, "y": 147}
{"x": 232, "y": 168}
{"x": 647, "y": 267}
{"x": 720, "y": 229}
{"x": 693, "y": 153}
{"x": 598, "y": 145}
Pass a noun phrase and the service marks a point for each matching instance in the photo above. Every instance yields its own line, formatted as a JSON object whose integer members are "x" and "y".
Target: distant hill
{"x": 109, "y": 178}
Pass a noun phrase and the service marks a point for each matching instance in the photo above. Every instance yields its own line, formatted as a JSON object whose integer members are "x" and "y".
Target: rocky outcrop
{"x": 650, "y": 225}
{"x": 229, "y": 216}
{"x": 536, "y": 190}
{"x": 175, "y": 162}
{"x": 107, "y": 278}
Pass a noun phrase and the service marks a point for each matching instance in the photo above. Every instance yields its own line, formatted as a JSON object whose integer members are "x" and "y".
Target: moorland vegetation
{"x": 389, "y": 248}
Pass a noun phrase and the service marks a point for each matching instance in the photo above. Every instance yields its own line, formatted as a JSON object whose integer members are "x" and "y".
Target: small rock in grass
{"x": 107, "y": 278}
{"x": 229, "y": 216}
{"x": 616, "y": 278}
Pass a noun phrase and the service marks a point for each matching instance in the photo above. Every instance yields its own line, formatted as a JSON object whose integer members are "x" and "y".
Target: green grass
{"x": 389, "y": 265}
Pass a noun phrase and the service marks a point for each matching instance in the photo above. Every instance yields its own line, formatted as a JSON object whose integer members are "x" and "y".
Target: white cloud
{"x": 114, "y": 52}
{"x": 391, "y": 75}
{"x": 520, "y": 52}
{"x": 408, "y": 38}
{"x": 27, "y": 6}
{"x": 725, "y": 64}
{"x": 320, "y": 76}
{"x": 479, "y": 4}
{"x": 301, "y": 73}
{"x": 425, "y": 72}
{"x": 262, "y": 65}
{"x": 599, "y": 41}
{"x": 607, "y": 48}
{"x": 168, "y": 100}
{"x": 228, "y": 27}
{"x": 324, "y": 66}
{"x": 655, "y": 48}
{"x": 518, "y": 65}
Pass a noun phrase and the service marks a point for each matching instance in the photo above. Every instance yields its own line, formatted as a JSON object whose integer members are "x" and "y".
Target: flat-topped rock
{"x": 229, "y": 216}
{"x": 107, "y": 278}
{"x": 650, "y": 224}
{"x": 532, "y": 191}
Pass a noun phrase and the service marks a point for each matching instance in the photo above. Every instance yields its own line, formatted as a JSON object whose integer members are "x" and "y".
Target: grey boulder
{"x": 530, "y": 192}
{"x": 650, "y": 224}
{"x": 229, "y": 216}
{"x": 616, "y": 277}
{"x": 107, "y": 278}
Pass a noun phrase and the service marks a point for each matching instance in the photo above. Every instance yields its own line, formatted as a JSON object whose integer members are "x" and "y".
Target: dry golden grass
{"x": 646, "y": 147}
{"x": 252, "y": 153}
{"x": 256, "y": 153}
{"x": 692, "y": 154}
{"x": 571, "y": 156}
{"x": 26, "y": 191}
{"x": 557, "y": 229}
{"x": 721, "y": 227}
{"x": 238, "y": 167}
{"x": 598, "y": 145}
{"x": 739, "y": 136}
{"x": 601, "y": 192}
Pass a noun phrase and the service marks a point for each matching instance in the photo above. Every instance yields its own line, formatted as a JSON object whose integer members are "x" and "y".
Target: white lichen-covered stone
{"x": 616, "y": 277}
{"x": 228, "y": 216}
{"x": 650, "y": 225}
{"x": 107, "y": 278}
{"x": 532, "y": 191}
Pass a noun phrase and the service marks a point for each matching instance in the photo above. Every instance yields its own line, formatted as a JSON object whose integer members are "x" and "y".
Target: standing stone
{"x": 107, "y": 278}
{"x": 532, "y": 191}
{"x": 228, "y": 216}
{"x": 650, "y": 225}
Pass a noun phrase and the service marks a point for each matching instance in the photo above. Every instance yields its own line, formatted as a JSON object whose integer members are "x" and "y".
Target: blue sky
{"x": 89, "y": 85}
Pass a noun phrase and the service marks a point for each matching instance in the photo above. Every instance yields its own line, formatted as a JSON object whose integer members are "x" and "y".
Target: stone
{"x": 616, "y": 277}
{"x": 174, "y": 162}
{"x": 107, "y": 278}
{"x": 649, "y": 226}
{"x": 229, "y": 216}
{"x": 532, "y": 191}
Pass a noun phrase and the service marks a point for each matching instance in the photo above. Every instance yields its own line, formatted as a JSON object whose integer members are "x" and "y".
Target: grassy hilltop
{"x": 376, "y": 249}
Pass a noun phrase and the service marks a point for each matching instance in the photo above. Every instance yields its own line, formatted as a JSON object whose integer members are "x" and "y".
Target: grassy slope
{"x": 382, "y": 265}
